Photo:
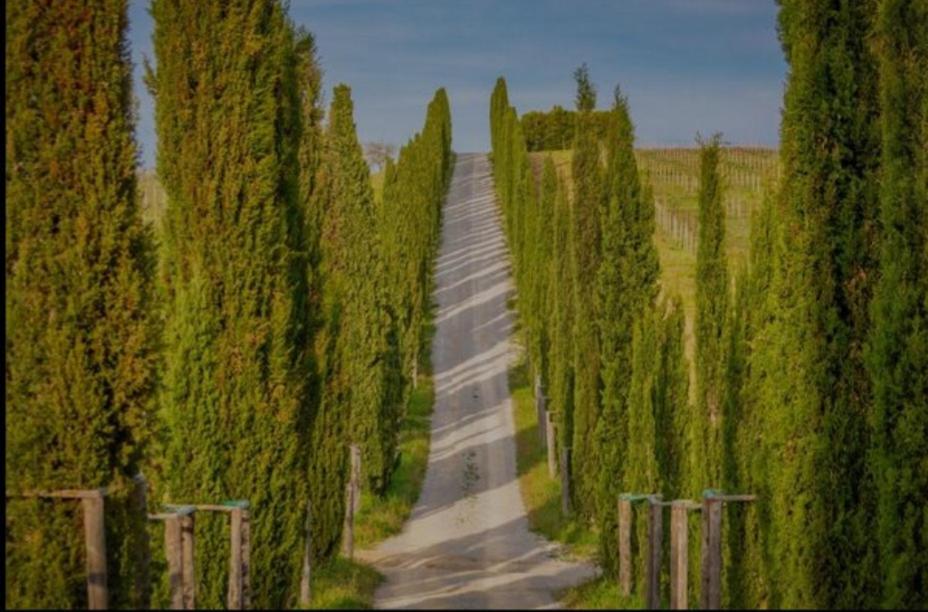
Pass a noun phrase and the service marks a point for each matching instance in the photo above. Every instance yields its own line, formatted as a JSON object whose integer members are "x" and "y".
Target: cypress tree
{"x": 81, "y": 340}
{"x": 626, "y": 286}
{"x": 812, "y": 383}
{"x": 711, "y": 314}
{"x": 588, "y": 206}
{"x": 560, "y": 389}
{"x": 237, "y": 384}
{"x": 898, "y": 346}
{"x": 360, "y": 360}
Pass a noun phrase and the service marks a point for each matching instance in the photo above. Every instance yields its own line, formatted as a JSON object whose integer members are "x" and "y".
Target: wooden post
{"x": 188, "y": 544}
{"x": 306, "y": 577}
{"x": 95, "y": 539}
{"x": 350, "y": 503}
{"x": 173, "y": 549}
{"x": 234, "y": 600}
{"x": 540, "y": 410}
{"x": 711, "y": 553}
{"x": 655, "y": 539}
{"x": 625, "y": 546}
{"x": 679, "y": 553}
{"x": 550, "y": 444}
{"x": 140, "y": 500}
{"x": 565, "y": 480}
{"x": 246, "y": 558}
{"x": 356, "y": 477}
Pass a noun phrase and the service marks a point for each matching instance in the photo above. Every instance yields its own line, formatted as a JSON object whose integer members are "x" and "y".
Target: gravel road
{"x": 467, "y": 542}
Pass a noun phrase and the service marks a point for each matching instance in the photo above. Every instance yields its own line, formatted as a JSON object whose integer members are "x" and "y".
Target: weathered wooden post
{"x": 188, "y": 543}
{"x": 246, "y": 558}
{"x": 625, "y": 545}
{"x": 238, "y": 594}
{"x": 234, "y": 593}
{"x": 95, "y": 539}
{"x": 711, "y": 553}
{"x": 565, "y": 480}
{"x": 356, "y": 476}
{"x": 306, "y": 577}
{"x": 655, "y": 542}
{"x": 173, "y": 550}
{"x": 178, "y": 548}
{"x": 351, "y": 502}
{"x": 679, "y": 552}
{"x": 540, "y": 409}
{"x": 550, "y": 444}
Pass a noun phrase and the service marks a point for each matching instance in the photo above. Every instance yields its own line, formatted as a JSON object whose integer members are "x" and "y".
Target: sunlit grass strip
{"x": 541, "y": 494}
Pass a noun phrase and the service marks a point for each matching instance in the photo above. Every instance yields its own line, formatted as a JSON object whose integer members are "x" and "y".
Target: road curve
{"x": 467, "y": 543}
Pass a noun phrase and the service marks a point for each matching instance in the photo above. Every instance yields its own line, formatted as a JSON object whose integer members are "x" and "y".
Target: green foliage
{"x": 81, "y": 341}
{"x": 589, "y": 204}
{"x": 705, "y": 470}
{"x": 554, "y": 130}
{"x": 625, "y": 287}
{"x": 807, "y": 367}
{"x": 897, "y": 351}
{"x": 237, "y": 399}
{"x": 586, "y": 91}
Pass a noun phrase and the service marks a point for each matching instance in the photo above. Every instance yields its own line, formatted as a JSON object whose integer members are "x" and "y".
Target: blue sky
{"x": 687, "y": 66}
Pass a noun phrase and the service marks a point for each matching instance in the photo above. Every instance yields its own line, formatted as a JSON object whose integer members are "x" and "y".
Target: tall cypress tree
{"x": 80, "y": 347}
{"x": 898, "y": 345}
{"x": 808, "y": 365}
{"x": 711, "y": 315}
{"x": 237, "y": 384}
{"x": 360, "y": 368}
{"x": 588, "y": 207}
{"x": 561, "y": 384}
{"x": 626, "y": 286}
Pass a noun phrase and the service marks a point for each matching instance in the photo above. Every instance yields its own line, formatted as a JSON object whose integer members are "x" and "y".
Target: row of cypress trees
{"x": 275, "y": 320}
{"x": 809, "y": 379}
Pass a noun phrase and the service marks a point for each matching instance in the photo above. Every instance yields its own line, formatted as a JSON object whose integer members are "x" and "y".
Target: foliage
{"x": 81, "y": 344}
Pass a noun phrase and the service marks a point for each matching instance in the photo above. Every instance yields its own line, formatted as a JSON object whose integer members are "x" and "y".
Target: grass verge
{"x": 541, "y": 494}
{"x": 342, "y": 584}
{"x": 345, "y": 584}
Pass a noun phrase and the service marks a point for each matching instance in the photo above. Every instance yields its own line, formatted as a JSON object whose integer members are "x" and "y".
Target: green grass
{"x": 342, "y": 584}
{"x": 541, "y": 494}
{"x": 598, "y": 594}
{"x": 382, "y": 517}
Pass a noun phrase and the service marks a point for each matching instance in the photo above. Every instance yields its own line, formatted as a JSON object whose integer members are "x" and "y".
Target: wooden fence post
{"x": 188, "y": 543}
{"x": 234, "y": 600}
{"x": 95, "y": 539}
{"x": 540, "y": 409}
{"x": 550, "y": 444}
{"x": 351, "y": 503}
{"x": 174, "y": 552}
{"x": 306, "y": 577}
{"x": 655, "y": 541}
{"x": 679, "y": 552}
{"x": 356, "y": 477}
{"x": 711, "y": 553}
{"x": 246, "y": 558}
{"x": 565, "y": 480}
{"x": 625, "y": 545}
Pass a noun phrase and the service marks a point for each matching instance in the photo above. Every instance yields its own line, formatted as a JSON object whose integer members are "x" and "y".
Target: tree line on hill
{"x": 810, "y": 384}
{"x": 554, "y": 130}
{"x": 276, "y": 318}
